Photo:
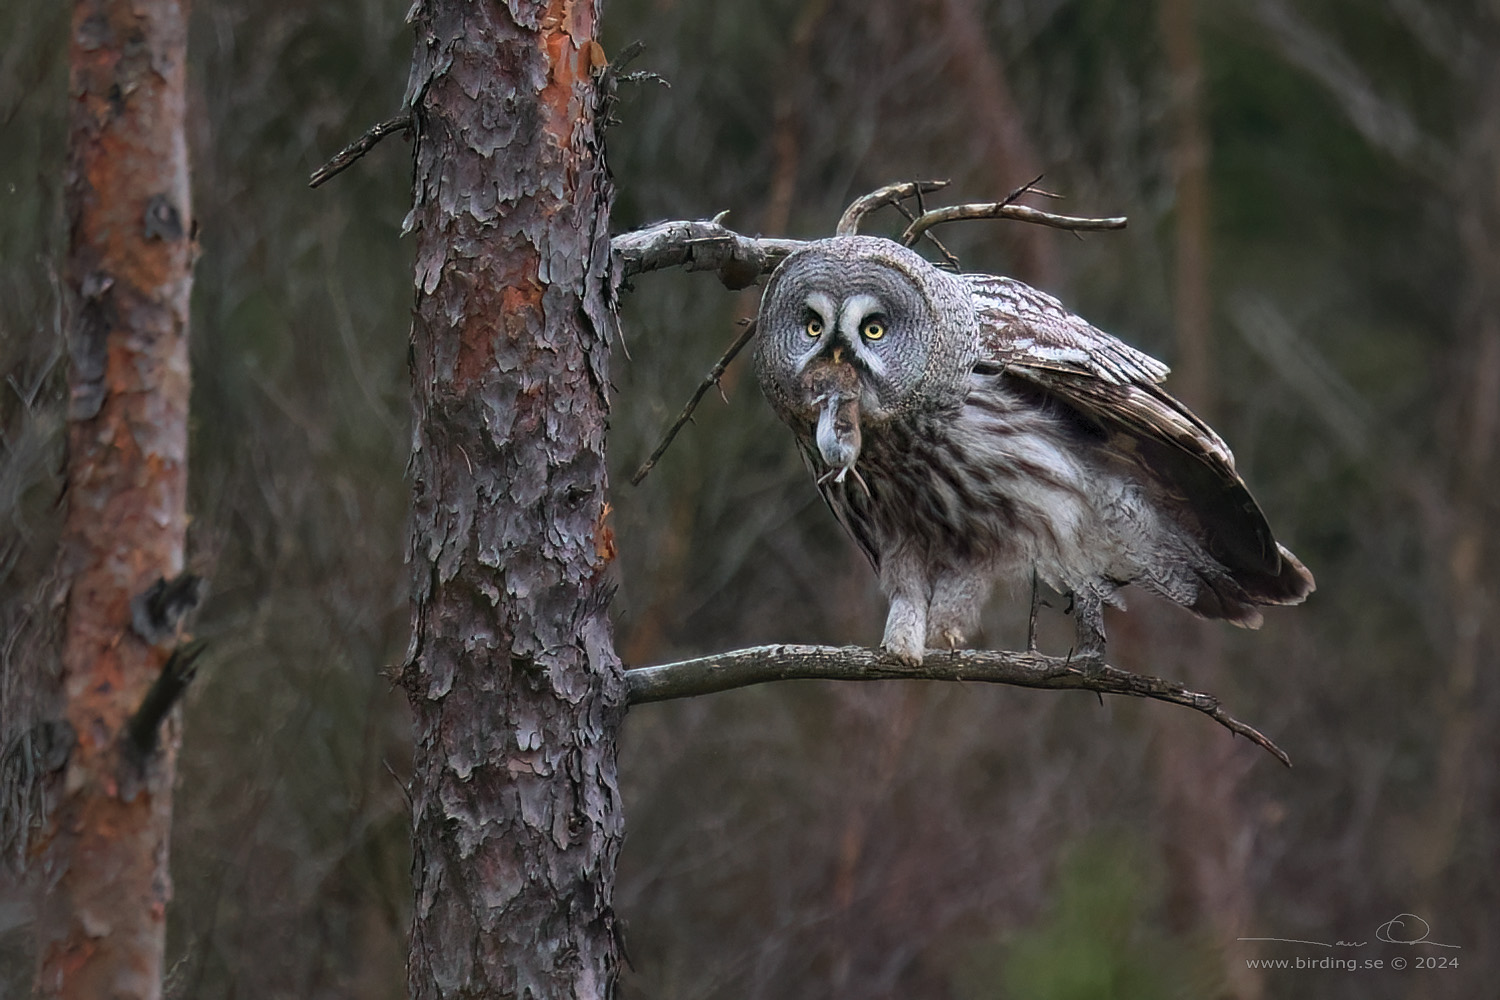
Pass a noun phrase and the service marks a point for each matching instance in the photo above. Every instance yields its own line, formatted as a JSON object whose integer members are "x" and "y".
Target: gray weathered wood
{"x": 760, "y": 664}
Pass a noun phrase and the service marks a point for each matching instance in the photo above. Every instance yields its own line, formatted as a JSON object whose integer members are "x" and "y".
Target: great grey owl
{"x": 966, "y": 428}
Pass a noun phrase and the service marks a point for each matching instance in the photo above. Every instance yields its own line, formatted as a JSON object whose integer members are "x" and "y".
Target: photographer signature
{"x": 1403, "y": 928}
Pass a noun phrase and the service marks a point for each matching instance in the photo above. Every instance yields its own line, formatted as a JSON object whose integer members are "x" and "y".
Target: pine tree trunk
{"x": 512, "y": 676}
{"x": 1192, "y": 378}
{"x": 105, "y": 881}
{"x": 1200, "y": 776}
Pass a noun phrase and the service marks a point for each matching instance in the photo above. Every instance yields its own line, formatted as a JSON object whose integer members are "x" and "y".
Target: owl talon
{"x": 949, "y": 638}
{"x": 909, "y": 657}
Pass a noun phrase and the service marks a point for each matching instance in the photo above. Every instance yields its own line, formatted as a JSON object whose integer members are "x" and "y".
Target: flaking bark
{"x": 514, "y": 684}
{"x": 103, "y": 865}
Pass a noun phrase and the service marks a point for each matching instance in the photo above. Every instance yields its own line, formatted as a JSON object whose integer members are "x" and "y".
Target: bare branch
{"x": 739, "y": 261}
{"x": 345, "y": 157}
{"x": 895, "y": 194}
{"x": 1005, "y": 210}
{"x": 711, "y": 379}
{"x": 701, "y": 246}
{"x": 743, "y": 667}
{"x": 891, "y": 194}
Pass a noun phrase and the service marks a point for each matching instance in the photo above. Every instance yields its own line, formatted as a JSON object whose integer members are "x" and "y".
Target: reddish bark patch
{"x": 102, "y": 921}
{"x": 604, "y": 538}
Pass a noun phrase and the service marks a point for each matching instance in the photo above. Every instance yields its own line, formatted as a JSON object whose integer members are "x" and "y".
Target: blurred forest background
{"x": 1313, "y": 189}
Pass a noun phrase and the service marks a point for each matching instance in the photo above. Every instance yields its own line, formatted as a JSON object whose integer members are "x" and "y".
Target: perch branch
{"x": 744, "y": 667}
{"x": 711, "y": 379}
{"x": 345, "y": 157}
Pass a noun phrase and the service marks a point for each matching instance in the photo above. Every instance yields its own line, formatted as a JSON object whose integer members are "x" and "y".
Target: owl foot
{"x": 905, "y": 630}
{"x": 909, "y": 655}
{"x": 1091, "y": 662}
{"x": 1088, "y": 611}
{"x": 948, "y": 637}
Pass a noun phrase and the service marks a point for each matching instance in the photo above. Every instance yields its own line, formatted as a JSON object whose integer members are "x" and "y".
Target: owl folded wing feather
{"x": 1018, "y": 324}
{"x": 1029, "y": 337}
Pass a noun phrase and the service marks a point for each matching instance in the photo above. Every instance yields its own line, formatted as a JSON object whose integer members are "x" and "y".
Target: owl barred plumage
{"x": 966, "y": 429}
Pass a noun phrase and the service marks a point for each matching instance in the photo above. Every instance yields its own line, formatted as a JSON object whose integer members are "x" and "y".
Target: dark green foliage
{"x": 1101, "y": 935}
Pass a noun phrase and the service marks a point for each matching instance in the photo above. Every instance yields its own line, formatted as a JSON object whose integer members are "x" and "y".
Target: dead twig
{"x": 1030, "y": 187}
{"x": 345, "y": 157}
{"x": 1004, "y": 210}
{"x": 711, "y": 379}
{"x": 891, "y": 194}
{"x": 950, "y": 259}
{"x": 760, "y": 664}
{"x": 894, "y": 194}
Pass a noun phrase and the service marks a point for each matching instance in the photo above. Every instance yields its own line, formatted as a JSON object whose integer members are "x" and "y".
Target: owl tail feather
{"x": 1237, "y": 598}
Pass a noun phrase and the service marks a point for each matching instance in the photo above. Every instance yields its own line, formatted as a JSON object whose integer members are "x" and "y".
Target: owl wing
{"x": 1019, "y": 325}
{"x": 1113, "y": 389}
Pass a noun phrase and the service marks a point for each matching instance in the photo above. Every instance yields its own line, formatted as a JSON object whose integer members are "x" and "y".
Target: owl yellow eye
{"x": 814, "y": 328}
{"x": 873, "y": 330}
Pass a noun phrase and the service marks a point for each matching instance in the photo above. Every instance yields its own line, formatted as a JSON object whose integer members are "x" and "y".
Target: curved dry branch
{"x": 346, "y": 157}
{"x": 891, "y": 194}
{"x": 757, "y": 665}
{"x": 711, "y": 379}
{"x": 1005, "y": 210}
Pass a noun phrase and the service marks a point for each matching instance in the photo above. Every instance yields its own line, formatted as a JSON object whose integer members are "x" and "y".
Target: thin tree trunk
{"x": 1470, "y": 427}
{"x": 105, "y": 880}
{"x": 513, "y": 680}
{"x": 1206, "y": 837}
{"x": 1192, "y": 379}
